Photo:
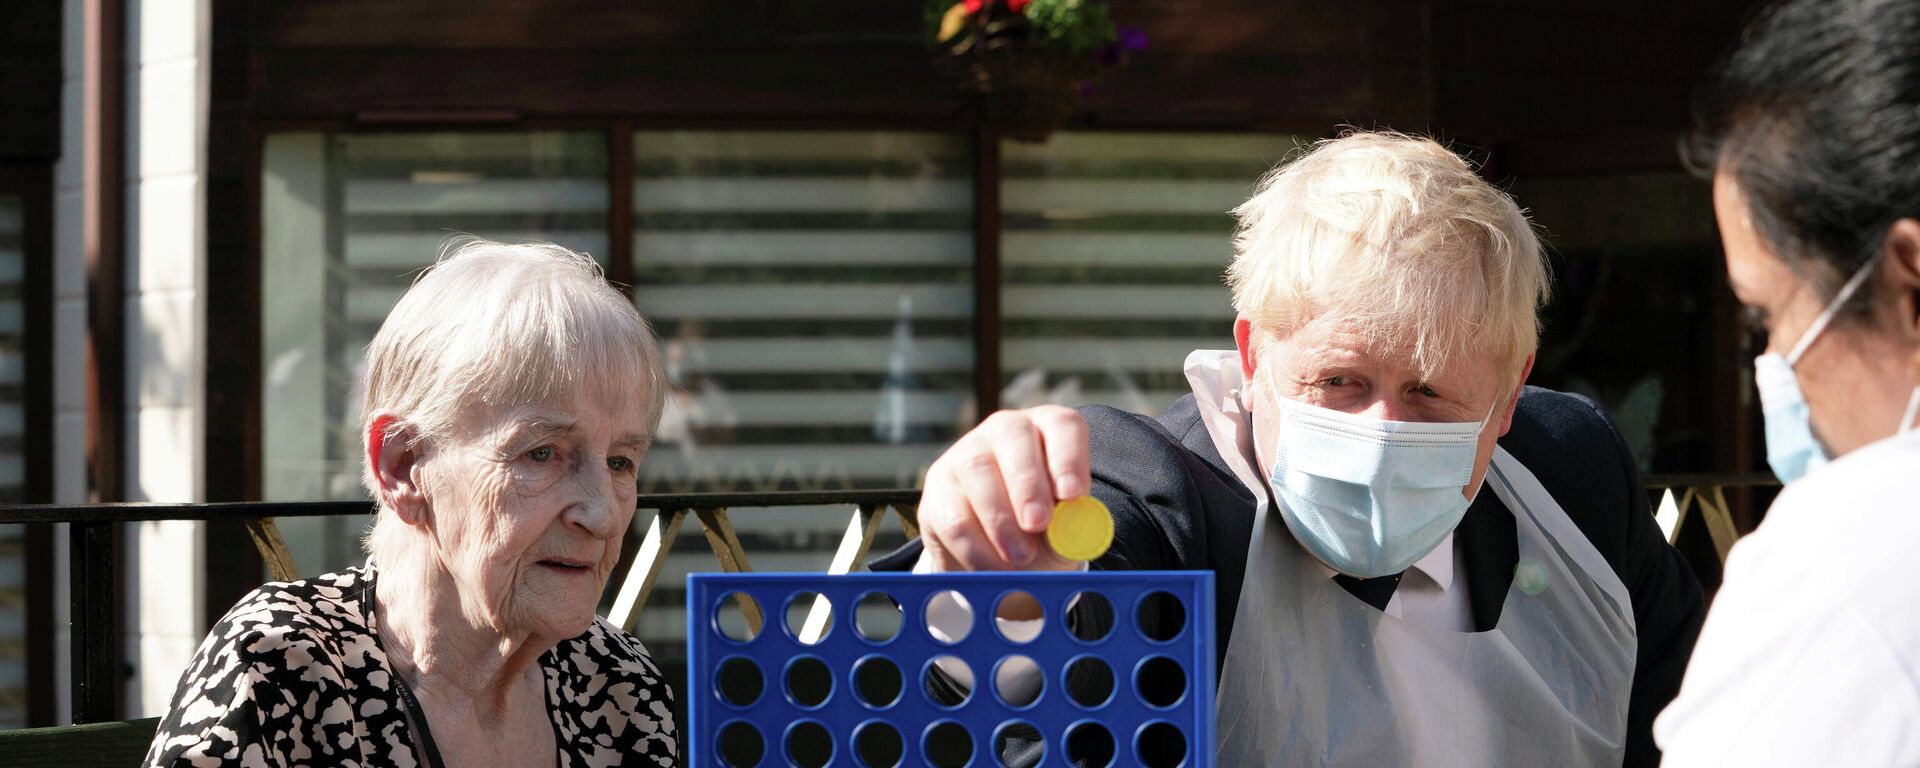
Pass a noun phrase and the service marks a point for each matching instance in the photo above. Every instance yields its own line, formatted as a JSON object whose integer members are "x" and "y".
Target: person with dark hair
{"x": 1810, "y": 131}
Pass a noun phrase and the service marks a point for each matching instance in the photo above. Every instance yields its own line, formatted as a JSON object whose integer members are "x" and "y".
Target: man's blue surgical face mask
{"x": 1366, "y": 496}
{"x": 1792, "y": 449}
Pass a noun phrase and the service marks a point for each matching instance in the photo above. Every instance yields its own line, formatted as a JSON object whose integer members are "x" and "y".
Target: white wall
{"x": 167, "y": 57}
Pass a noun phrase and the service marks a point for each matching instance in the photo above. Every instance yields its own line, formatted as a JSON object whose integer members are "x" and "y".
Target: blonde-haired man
{"x": 1419, "y": 560}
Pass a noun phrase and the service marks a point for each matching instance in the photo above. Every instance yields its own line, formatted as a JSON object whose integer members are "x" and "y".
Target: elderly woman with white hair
{"x": 510, "y": 396}
{"x": 1419, "y": 560}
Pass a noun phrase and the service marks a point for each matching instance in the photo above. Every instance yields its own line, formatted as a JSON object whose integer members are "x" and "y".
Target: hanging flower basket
{"x": 1022, "y": 67}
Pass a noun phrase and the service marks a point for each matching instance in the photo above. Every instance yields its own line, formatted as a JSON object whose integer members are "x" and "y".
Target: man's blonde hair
{"x": 1400, "y": 237}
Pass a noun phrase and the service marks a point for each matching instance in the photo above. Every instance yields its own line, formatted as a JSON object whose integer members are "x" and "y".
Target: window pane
{"x": 814, "y": 292}
{"x": 1112, "y": 254}
{"x": 13, "y": 429}
{"x": 347, "y": 221}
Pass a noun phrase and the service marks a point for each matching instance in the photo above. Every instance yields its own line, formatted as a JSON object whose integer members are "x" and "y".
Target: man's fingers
{"x": 983, "y": 478}
{"x": 1023, "y": 468}
{"x": 957, "y": 543}
{"x": 1063, "y": 438}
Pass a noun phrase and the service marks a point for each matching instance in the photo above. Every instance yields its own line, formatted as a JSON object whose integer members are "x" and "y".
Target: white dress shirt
{"x": 1811, "y": 654}
{"x": 1433, "y": 592}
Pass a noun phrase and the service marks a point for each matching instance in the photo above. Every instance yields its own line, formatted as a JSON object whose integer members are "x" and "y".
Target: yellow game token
{"x": 1081, "y": 530}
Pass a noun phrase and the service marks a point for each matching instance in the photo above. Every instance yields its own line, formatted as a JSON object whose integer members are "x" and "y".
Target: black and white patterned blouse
{"x": 295, "y": 675}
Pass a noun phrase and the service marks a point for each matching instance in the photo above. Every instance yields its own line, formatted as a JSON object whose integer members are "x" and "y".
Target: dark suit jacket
{"x": 1177, "y": 506}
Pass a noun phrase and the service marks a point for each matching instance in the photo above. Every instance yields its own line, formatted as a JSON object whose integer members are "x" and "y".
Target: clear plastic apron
{"x": 1316, "y": 677}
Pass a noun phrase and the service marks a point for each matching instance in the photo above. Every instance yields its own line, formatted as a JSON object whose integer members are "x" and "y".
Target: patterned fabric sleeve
{"x": 221, "y": 707}
{"x": 621, "y": 707}
{"x": 267, "y": 688}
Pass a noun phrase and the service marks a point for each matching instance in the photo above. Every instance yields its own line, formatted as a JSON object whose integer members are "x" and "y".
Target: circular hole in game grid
{"x": 949, "y": 617}
{"x": 1022, "y": 615}
{"x": 947, "y": 745}
{"x": 1160, "y": 682}
{"x": 1160, "y": 744}
{"x": 738, "y": 682}
{"x": 1018, "y": 741}
{"x": 809, "y": 745}
{"x": 877, "y": 682}
{"x": 809, "y": 682}
{"x": 877, "y": 744}
{"x": 1089, "y": 744}
{"x": 1089, "y": 682}
{"x": 1160, "y": 616}
{"x": 739, "y": 745}
{"x": 877, "y": 617}
{"x": 809, "y": 617}
{"x": 1089, "y": 617}
{"x": 730, "y": 617}
{"x": 948, "y": 681}
{"x": 1018, "y": 681}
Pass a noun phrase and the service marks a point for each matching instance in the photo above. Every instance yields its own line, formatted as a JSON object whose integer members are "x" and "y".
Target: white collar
{"x": 1437, "y": 565}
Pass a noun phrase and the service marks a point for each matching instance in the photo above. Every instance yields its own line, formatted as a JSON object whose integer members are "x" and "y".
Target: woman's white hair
{"x": 492, "y": 325}
{"x": 1398, "y": 236}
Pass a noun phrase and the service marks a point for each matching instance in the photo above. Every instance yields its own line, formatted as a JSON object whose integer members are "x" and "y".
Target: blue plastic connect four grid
{"x": 825, "y": 702}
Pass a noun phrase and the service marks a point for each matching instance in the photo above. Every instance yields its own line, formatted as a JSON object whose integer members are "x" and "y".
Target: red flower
{"x": 1018, "y": 6}
{"x": 973, "y": 6}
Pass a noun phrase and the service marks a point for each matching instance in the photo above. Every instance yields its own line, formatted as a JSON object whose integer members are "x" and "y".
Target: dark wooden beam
{"x": 620, "y": 205}
{"x": 986, "y": 273}
{"x": 232, "y": 419}
{"x": 103, "y": 225}
{"x": 99, "y": 668}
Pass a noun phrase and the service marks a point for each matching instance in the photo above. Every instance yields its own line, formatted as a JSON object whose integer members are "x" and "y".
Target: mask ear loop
{"x": 1826, "y": 316}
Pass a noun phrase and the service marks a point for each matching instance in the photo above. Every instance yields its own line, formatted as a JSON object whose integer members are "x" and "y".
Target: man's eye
{"x": 619, "y": 463}
{"x": 1427, "y": 391}
{"x": 1336, "y": 381}
{"x": 541, "y": 454}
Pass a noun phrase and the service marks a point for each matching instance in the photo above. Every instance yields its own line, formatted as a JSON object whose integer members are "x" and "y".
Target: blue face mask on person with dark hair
{"x": 1792, "y": 448}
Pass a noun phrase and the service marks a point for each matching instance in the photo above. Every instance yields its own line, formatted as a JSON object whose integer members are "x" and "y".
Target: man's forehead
{"x": 1336, "y": 347}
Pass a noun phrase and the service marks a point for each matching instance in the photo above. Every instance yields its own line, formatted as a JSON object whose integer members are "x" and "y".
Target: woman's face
{"x": 527, "y": 509}
{"x": 1854, "y": 376}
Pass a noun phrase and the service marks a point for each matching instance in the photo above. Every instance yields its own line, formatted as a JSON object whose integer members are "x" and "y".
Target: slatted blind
{"x": 349, "y": 221}
{"x": 13, "y": 362}
{"x": 1113, "y": 252}
{"x": 814, "y": 294}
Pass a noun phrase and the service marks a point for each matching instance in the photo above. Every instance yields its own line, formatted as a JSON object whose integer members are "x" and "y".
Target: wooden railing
{"x": 98, "y": 670}
{"x": 1704, "y": 496}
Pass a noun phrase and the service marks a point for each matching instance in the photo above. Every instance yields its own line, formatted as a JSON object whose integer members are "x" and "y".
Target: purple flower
{"x": 1132, "y": 39}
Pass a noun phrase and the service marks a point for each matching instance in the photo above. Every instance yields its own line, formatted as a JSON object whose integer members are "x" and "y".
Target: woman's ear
{"x": 394, "y": 459}
{"x": 1902, "y": 256}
